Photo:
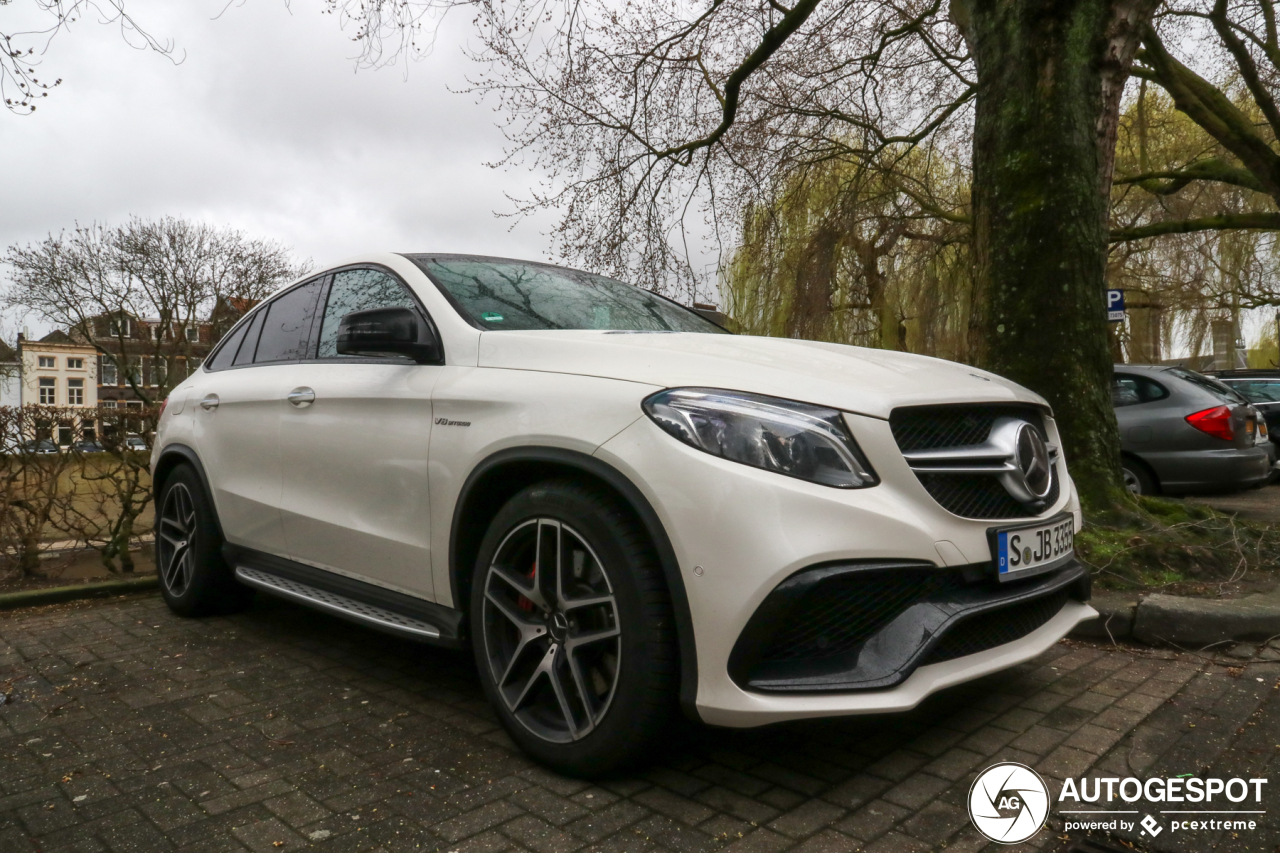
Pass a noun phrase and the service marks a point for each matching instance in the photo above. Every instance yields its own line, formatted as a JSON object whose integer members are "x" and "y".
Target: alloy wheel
{"x": 1131, "y": 482}
{"x": 551, "y": 630}
{"x": 176, "y": 531}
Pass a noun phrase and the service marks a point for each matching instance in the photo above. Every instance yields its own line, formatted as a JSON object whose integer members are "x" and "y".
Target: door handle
{"x": 301, "y": 397}
{"x": 210, "y": 402}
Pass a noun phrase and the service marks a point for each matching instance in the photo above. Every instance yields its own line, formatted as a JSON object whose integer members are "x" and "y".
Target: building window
{"x": 47, "y": 361}
{"x": 75, "y": 392}
{"x": 133, "y": 375}
{"x": 66, "y": 433}
{"x": 48, "y": 391}
{"x": 120, "y": 327}
{"x": 133, "y": 404}
{"x": 75, "y": 364}
{"x": 193, "y": 334}
{"x": 108, "y": 404}
{"x": 110, "y": 376}
{"x": 159, "y": 370}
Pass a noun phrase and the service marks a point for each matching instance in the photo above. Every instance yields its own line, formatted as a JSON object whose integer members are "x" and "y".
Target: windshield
{"x": 515, "y": 295}
{"x": 1209, "y": 384}
{"x": 1257, "y": 390}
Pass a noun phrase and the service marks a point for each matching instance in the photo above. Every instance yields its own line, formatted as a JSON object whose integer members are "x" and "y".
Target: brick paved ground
{"x": 133, "y": 730}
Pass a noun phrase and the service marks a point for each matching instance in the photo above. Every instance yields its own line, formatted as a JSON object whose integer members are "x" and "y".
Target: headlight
{"x": 796, "y": 439}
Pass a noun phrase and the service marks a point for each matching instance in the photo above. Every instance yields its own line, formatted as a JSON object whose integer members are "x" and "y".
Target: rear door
{"x": 237, "y": 416}
{"x": 354, "y": 443}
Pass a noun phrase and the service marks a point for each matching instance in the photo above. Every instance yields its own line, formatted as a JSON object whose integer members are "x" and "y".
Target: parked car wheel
{"x": 572, "y": 629}
{"x": 1137, "y": 479}
{"x": 194, "y": 578}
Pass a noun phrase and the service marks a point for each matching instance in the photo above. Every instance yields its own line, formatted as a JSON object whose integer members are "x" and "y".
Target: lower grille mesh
{"x": 842, "y": 612}
{"x": 979, "y": 496}
{"x": 996, "y": 627}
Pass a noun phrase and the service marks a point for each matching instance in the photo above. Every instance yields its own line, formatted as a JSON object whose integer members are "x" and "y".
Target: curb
{"x": 54, "y": 595}
{"x": 1189, "y": 622}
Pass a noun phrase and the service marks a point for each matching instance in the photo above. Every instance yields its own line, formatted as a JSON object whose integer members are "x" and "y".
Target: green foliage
{"x": 1175, "y": 546}
{"x": 856, "y": 252}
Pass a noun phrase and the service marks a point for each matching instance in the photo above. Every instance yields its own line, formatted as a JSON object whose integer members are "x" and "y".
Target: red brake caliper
{"x": 523, "y": 603}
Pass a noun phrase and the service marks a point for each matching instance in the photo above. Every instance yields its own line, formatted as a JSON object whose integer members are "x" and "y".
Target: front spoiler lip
{"x": 746, "y": 710}
{"x": 889, "y": 656}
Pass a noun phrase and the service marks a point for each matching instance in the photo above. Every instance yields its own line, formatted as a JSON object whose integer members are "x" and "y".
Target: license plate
{"x": 1033, "y": 548}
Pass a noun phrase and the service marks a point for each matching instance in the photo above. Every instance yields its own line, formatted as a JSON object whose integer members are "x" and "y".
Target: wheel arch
{"x": 171, "y": 457}
{"x": 499, "y": 476}
{"x": 1139, "y": 462}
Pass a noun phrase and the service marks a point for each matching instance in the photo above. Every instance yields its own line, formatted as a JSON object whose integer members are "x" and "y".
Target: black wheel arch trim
{"x": 638, "y": 504}
{"x": 170, "y": 457}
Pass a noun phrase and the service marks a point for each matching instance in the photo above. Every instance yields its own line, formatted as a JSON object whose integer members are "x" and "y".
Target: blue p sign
{"x": 1115, "y": 305}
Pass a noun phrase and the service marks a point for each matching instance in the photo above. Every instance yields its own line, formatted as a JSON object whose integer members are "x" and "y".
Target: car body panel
{"x": 364, "y": 512}
{"x": 852, "y": 379}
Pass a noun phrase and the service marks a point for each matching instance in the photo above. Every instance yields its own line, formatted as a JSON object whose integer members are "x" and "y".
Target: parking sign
{"x": 1115, "y": 305}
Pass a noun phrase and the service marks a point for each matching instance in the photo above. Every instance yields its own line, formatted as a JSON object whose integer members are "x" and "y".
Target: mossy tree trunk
{"x": 1050, "y": 73}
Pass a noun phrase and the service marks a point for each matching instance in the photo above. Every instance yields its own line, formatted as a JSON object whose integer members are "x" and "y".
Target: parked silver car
{"x": 1181, "y": 431}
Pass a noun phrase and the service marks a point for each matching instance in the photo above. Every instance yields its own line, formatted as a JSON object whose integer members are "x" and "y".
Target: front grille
{"x": 838, "y": 614}
{"x": 996, "y": 627}
{"x": 979, "y": 496}
{"x": 938, "y": 427}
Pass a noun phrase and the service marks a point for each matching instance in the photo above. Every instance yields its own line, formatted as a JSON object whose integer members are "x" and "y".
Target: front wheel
{"x": 194, "y": 579}
{"x": 572, "y": 629}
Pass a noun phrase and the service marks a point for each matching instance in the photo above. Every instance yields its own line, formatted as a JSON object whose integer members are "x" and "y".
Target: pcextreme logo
{"x": 1009, "y": 803}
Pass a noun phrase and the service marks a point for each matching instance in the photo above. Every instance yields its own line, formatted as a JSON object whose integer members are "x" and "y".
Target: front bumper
{"x": 738, "y": 532}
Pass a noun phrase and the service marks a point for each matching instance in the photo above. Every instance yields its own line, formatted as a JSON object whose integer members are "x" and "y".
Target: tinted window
{"x": 245, "y": 355}
{"x": 1130, "y": 390}
{"x": 1257, "y": 390}
{"x": 500, "y": 295}
{"x": 222, "y": 358}
{"x": 287, "y": 326}
{"x": 358, "y": 290}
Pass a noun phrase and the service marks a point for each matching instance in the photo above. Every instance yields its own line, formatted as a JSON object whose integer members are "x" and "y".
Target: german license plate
{"x": 1033, "y": 548}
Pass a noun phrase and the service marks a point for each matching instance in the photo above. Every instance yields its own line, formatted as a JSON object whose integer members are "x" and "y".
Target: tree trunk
{"x": 1046, "y": 112}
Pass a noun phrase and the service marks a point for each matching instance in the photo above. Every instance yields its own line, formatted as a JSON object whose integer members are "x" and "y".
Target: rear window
{"x": 1128, "y": 389}
{"x": 1213, "y": 386}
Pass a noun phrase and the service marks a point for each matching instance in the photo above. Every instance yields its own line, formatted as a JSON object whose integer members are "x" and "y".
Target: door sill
{"x": 355, "y": 601}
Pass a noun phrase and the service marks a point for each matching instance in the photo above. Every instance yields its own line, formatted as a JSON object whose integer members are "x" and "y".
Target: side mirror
{"x": 388, "y": 331}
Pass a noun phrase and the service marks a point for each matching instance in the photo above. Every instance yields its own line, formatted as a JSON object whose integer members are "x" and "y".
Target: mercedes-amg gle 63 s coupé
{"x": 621, "y": 508}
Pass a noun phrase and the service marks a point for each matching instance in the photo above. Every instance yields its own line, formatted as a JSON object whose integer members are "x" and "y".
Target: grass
{"x": 1176, "y": 547}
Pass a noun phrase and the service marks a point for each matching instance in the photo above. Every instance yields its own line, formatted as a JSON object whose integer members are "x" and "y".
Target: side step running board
{"x": 339, "y": 605}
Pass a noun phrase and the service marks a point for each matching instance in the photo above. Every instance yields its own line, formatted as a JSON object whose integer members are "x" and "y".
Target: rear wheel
{"x": 194, "y": 578}
{"x": 1136, "y": 478}
{"x": 572, "y": 630}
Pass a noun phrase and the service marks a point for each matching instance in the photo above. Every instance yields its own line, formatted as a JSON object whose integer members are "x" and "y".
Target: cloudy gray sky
{"x": 265, "y": 125}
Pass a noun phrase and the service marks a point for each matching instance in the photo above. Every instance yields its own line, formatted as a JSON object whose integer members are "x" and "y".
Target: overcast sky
{"x": 265, "y": 125}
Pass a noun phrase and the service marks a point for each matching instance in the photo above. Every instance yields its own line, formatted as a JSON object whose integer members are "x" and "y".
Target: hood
{"x": 852, "y": 379}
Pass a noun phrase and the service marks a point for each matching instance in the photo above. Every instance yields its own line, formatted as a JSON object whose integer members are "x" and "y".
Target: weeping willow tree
{"x": 857, "y": 252}
{"x": 1178, "y": 284}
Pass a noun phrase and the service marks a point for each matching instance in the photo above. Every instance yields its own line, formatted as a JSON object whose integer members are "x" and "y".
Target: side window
{"x": 1130, "y": 390}
{"x": 358, "y": 290}
{"x": 245, "y": 354}
{"x": 287, "y": 326}
{"x": 221, "y": 359}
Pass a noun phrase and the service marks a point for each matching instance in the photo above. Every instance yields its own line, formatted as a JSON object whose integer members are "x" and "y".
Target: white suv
{"x": 618, "y": 505}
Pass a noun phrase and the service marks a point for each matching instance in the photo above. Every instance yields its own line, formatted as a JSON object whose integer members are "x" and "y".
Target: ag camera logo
{"x": 1008, "y": 803}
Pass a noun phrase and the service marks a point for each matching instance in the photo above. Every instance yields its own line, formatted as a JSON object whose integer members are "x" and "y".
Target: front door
{"x": 354, "y": 438}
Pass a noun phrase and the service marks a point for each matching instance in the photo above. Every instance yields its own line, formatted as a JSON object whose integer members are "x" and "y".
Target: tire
{"x": 194, "y": 578}
{"x": 1137, "y": 479}
{"x": 585, "y": 709}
